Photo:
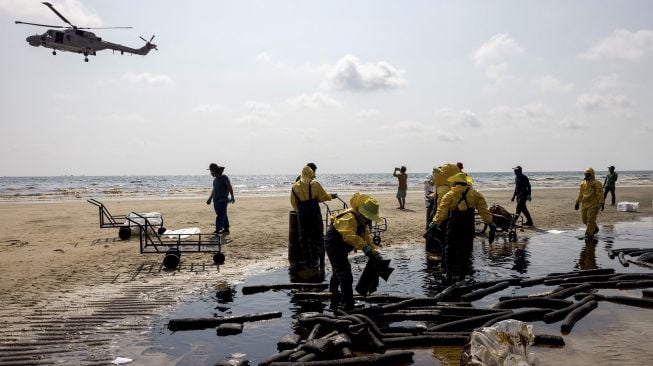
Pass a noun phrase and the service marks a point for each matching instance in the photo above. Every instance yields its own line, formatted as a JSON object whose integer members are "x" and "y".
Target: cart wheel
{"x": 376, "y": 239}
{"x": 218, "y": 258}
{"x": 172, "y": 258}
{"x": 161, "y": 230}
{"x": 512, "y": 236}
{"x": 125, "y": 233}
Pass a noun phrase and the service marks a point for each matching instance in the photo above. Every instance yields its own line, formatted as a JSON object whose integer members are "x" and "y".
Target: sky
{"x": 263, "y": 87}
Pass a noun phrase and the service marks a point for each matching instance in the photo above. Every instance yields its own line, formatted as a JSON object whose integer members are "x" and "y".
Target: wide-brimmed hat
{"x": 369, "y": 207}
{"x": 461, "y": 178}
{"x": 214, "y": 166}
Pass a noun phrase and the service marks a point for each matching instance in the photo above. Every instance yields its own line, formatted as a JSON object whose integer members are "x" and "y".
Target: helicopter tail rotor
{"x": 149, "y": 43}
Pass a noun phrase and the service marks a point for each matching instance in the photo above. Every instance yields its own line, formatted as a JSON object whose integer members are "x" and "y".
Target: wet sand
{"x": 57, "y": 263}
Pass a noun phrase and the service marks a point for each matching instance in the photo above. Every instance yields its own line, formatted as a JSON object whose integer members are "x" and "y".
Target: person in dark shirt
{"x": 220, "y": 196}
{"x": 609, "y": 183}
{"x": 522, "y": 193}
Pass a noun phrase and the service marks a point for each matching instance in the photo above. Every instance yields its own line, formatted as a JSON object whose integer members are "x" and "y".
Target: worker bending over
{"x": 350, "y": 230}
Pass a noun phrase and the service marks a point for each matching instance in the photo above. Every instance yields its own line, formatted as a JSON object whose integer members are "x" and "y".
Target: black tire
{"x": 172, "y": 259}
{"x": 218, "y": 258}
{"x": 124, "y": 233}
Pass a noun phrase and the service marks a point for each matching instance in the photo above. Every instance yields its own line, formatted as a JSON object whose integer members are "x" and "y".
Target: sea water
{"x": 612, "y": 334}
{"x": 187, "y": 186}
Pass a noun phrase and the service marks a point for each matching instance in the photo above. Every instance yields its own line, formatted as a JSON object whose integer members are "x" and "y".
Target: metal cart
{"x": 503, "y": 224}
{"x": 172, "y": 245}
{"x": 123, "y": 222}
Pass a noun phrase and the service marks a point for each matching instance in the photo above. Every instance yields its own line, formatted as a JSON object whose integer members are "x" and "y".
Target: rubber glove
{"x": 367, "y": 249}
{"x": 576, "y": 206}
{"x": 334, "y": 195}
{"x": 529, "y": 198}
{"x": 208, "y": 202}
{"x": 433, "y": 225}
{"x": 602, "y": 206}
{"x": 233, "y": 199}
{"x": 512, "y": 199}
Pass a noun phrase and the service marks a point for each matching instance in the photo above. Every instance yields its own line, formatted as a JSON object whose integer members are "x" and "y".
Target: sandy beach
{"x": 52, "y": 252}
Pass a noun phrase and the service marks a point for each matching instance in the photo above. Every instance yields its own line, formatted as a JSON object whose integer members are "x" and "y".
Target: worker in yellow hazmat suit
{"x": 349, "y": 230}
{"x": 441, "y": 187}
{"x": 305, "y": 197}
{"x": 457, "y": 208}
{"x": 590, "y": 197}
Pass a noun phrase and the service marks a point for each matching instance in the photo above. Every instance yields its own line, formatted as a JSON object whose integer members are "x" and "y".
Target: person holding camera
{"x": 402, "y": 177}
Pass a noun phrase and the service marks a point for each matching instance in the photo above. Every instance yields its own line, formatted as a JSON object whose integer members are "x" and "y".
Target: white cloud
{"x": 208, "y": 108}
{"x": 252, "y": 120}
{"x": 604, "y": 82}
{"x": 527, "y": 111}
{"x": 447, "y": 136}
{"x": 125, "y": 117}
{"x": 596, "y": 102}
{"x": 496, "y": 48}
{"x": 367, "y": 113}
{"x": 257, "y": 114}
{"x": 571, "y": 123}
{"x": 622, "y": 45}
{"x": 148, "y": 78}
{"x": 351, "y": 74}
{"x": 550, "y": 84}
{"x": 648, "y": 127}
{"x": 35, "y": 12}
{"x": 496, "y": 71}
{"x": 263, "y": 58}
{"x": 413, "y": 128}
{"x": 257, "y": 106}
{"x": 65, "y": 97}
{"x": 462, "y": 118}
{"x": 316, "y": 100}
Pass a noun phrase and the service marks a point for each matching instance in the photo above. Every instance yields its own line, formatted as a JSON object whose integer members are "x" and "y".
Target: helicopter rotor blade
{"x": 104, "y": 27}
{"x": 58, "y": 14}
{"x": 151, "y": 39}
{"x": 41, "y": 25}
{"x": 144, "y": 40}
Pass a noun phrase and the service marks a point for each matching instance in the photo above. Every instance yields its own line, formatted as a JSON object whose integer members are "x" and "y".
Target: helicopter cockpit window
{"x": 79, "y": 33}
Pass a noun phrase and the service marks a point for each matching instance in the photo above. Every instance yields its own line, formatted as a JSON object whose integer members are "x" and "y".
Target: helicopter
{"x": 76, "y": 39}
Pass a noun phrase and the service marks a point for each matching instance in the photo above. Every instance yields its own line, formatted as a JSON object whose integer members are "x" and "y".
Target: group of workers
{"x": 451, "y": 205}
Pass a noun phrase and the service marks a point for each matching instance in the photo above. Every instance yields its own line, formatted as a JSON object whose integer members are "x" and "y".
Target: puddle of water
{"x": 611, "y": 334}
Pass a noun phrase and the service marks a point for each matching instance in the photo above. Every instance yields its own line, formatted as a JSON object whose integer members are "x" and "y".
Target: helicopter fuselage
{"x": 79, "y": 41}
{"x": 75, "y": 39}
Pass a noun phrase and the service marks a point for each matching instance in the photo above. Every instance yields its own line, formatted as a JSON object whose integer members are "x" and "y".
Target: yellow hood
{"x": 307, "y": 174}
{"x": 591, "y": 172}
{"x": 443, "y": 172}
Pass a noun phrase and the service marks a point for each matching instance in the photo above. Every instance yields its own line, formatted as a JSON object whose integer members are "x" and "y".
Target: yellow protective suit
{"x": 347, "y": 225}
{"x": 590, "y": 197}
{"x": 452, "y": 199}
{"x": 301, "y": 188}
{"x": 440, "y": 176}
